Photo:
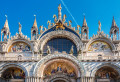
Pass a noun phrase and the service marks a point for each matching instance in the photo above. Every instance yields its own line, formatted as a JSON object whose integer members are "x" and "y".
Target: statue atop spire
{"x": 59, "y": 12}
{"x": 35, "y": 22}
{"x": 5, "y": 32}
{"x": 20, "y": 27}
{"x": 6, "y": 23}
{"x": 84, "y": 22}
{"x": 99, "y": 28}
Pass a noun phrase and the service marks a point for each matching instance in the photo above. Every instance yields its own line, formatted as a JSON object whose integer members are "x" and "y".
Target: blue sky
{"x": 23, "y": 11}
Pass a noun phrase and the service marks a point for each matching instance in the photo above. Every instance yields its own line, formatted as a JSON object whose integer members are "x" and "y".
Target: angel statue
{"x": 70, "y": 23}
{"x": 49, "y": 23}
{"x": 99, "y": 28}
{"x": 41, "y": 29}
{"x": 55, "y": 20}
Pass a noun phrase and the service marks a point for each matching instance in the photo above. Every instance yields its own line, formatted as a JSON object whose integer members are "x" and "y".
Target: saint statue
{"x": 71, "y": 50}
{"x": 20, "y": 27}
{"x": 48, "y": 50}
{"x": 99, "y": 28}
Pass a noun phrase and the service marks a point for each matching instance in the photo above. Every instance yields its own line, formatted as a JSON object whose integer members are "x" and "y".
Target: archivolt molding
{"x": 59, "y": 77}
{"x": 18, "y": 37}
{"x": 101, "y": 37}
{"x": 53, "y": 56}
{"x": 6, "y": 66}
{"x": 98, "y": 66}
{"x": 61, "y": 33}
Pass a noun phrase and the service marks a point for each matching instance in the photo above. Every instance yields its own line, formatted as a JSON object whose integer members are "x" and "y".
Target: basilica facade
{"x": 60, "y": 53}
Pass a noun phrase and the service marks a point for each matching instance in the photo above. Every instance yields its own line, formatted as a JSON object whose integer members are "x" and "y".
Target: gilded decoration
{"x": 59, "y": 68}
{"x": 19, "y": 47}
{"x": 106, "y": 73}
{"x": 99, "y": 46}
{"x": 13, "y": 73}
{"x": 59, "y": 25}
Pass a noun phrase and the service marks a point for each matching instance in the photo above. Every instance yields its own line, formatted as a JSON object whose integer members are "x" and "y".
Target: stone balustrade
{"x": 38, "y": 57}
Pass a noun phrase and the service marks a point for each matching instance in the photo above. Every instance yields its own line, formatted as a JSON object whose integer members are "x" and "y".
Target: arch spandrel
{"x": 40, "y": 65}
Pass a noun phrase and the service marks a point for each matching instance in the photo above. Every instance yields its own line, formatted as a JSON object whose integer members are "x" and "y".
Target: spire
{"x": 35, "y": 22}
{"x": 6, "y": 23}
{"x": 84, "y": 22}
{"x": 59, "y": 12}
{"x": 113, "y": 22}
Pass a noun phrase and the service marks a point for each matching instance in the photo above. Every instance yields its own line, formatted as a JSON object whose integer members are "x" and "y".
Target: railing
{"x": 20, "y": 58}
{"x": 101, "y": 58}
{"x": 35, "y": 58}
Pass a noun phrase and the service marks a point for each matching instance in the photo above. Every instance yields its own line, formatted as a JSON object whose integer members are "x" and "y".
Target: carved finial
{"x": 20, "y": 27}
{"x": 59, "y": 12}
{"x": 49, "y": 24}
{"x": 99, "y": 28}
{"x": 63, "y": 20}
{"x": 55, "y": 18}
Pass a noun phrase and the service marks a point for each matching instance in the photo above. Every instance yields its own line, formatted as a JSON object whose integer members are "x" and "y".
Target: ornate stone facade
{"x": 22, "y": 59}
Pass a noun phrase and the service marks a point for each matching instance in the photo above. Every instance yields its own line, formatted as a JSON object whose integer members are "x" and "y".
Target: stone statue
{"x": 49, "y": 24}
{"x": 48, "y": 50}
{"x": 78, "y": 26}
{"x": 41, "y": 29}
{"x": 20, "y": 27}
{"x": 35, "y": 46}
{"x": 70, "y": 23}
{"x": 71, "y": 50}
{"x": 55, "y": 20}
{"x": 64, "y": 16}
{"x": 45, "y": 29}
{"x": 99, "y": 28}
